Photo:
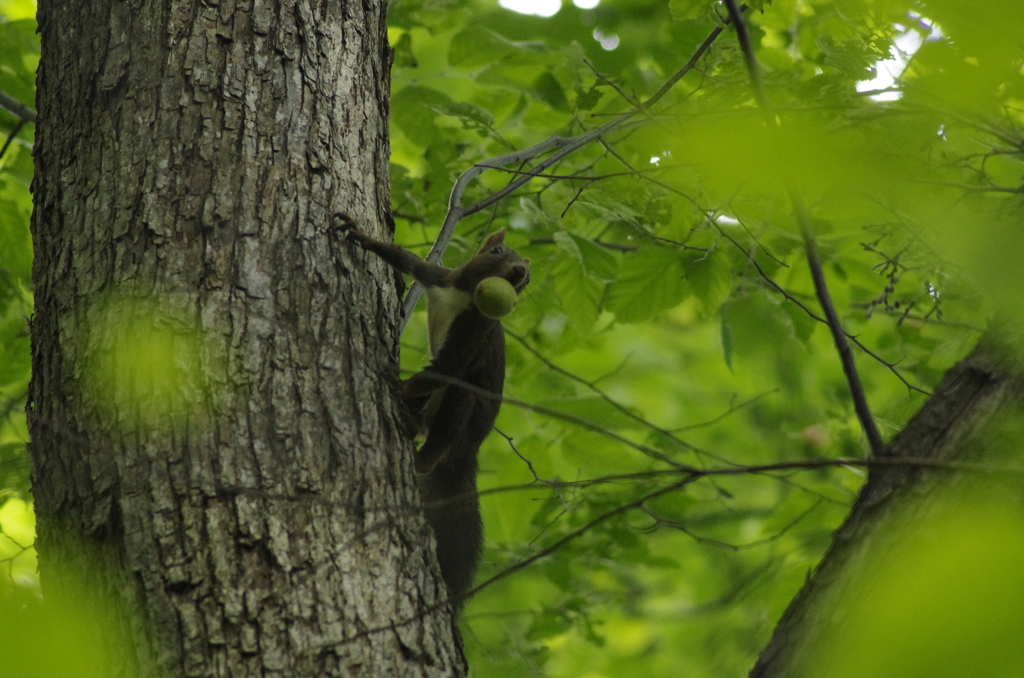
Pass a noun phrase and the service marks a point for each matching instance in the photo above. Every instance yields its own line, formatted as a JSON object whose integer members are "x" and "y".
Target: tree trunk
{"x": 972, "y": 421}
{"x": 215, "y": 439}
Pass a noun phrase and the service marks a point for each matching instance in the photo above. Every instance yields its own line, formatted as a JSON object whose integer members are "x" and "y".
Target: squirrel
{"x": 468, "y": 346}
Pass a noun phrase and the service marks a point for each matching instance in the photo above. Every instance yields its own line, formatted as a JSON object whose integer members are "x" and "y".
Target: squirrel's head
{"x": 496, "y": 259}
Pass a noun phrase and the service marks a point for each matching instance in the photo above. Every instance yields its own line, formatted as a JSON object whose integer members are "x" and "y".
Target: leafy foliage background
{"x": 19, "y": 56}
{"x": 670, "y": 315}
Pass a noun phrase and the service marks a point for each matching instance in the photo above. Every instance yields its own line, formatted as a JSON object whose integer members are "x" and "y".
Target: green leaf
{"x": 551, "y": 623}
{"x": 687, "y": 9}
{"x": 803, "y": 324}
{"x": 757, "y": 328}
{"x": 467, "y": 112}
{"x": 579, "y": 293}
{"x": 651, "y": 280}
{"x": 587, "y": 98}
{"x": 19, "y": 56}
{"x": 413, "y": 111}
{"x": 599, "y": 263}
{"x": 710, "y": 278}
{"x": 547, "y": 88}
{"x": 404, "y": 56}
{"x": 15, "y": 242}
{"x": 475, "y": 47}
{"x": 472, "y": 117}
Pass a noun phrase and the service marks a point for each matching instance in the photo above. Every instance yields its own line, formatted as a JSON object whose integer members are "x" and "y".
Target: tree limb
{"x": 860, "y": 402}
{"x": 19, "y": 109}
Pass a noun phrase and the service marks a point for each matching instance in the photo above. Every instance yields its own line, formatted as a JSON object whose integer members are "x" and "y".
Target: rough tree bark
{"x": 975, "y": 417}
{"x": 262, "y": 520}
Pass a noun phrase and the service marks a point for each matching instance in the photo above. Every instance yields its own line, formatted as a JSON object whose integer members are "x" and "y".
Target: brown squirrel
{"x": 469, "y": 347}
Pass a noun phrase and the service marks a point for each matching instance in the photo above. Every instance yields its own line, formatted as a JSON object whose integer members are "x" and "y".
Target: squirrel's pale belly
{"x": 443, "y": 305}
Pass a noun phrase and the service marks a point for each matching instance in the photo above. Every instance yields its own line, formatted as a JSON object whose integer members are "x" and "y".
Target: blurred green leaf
{"x": 412, "y": 112}
{"x": 949, "y": 603}
{"x": 547, "y": 88}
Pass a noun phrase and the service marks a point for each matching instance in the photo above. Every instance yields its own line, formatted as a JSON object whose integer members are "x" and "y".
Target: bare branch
{"x": 19, "y": 109}
{"x": 860, "y": 402}
{"x": 567, "y": 146}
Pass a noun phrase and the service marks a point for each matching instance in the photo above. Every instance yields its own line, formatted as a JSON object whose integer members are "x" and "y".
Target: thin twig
{"x": 583, "y": 529}
{"x": 529, "y": 464}
{"x": 10, "y": 137}
{"x": 765, "y": 470}
{"x": 578, "y": 177}
{"x": 860, "y": 402}
{"x": 732, "y": 409}
{"x": 700, "y": 539}
{"x": 814, "y": 316}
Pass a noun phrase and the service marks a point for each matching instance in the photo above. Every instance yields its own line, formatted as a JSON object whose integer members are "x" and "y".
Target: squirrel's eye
{"x": 498, "y": 250}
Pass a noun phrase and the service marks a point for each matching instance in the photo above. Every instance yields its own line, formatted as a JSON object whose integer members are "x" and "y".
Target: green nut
{"x": 494, "y": 297}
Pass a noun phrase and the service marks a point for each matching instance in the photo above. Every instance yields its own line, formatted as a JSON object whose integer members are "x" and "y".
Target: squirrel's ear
{"x": 496, "y": 238}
